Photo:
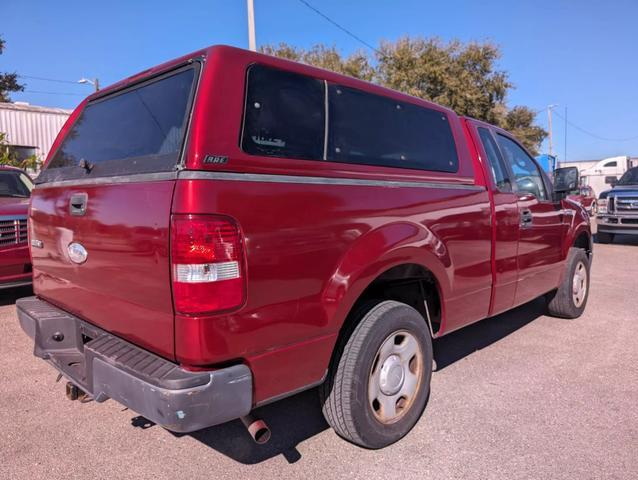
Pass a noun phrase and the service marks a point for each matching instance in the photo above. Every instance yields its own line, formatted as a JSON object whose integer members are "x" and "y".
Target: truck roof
{"x": 227, "y": 53}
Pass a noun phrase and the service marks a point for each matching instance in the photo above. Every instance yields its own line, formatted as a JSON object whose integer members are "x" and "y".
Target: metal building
{"x": 31, "y": 130}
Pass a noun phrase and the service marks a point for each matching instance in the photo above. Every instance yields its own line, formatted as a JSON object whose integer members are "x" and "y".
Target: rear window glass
{"x": 376, "y": 130}
{"x": 139, "y": 130}
{"x": 284, "y": 114}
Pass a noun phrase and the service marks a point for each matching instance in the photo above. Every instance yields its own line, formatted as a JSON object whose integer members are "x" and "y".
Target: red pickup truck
{"x": 228, "y": 229}
{"x": 15, "y": 264}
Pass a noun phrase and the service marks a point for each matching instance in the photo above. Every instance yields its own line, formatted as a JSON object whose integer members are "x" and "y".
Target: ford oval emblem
{"x": 77, "y": 253}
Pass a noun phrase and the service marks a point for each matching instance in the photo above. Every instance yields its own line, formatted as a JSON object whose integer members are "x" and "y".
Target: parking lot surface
{"x": 521, "y": 395}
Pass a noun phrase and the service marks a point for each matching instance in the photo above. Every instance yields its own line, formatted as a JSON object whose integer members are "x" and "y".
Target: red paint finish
{"x": 303, "y": 276}
{"x": 125, "y": 285}
{"x": 505, "y": 231}
{"x": 310, "y": 249}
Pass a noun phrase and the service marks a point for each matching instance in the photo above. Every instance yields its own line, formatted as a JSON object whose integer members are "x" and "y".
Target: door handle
{"x": 77, "y": 204}
{"x": 526, "y": 218}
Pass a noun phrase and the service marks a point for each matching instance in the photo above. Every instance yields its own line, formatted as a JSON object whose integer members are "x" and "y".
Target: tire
{"x": 570, "y": 299}
{"x": 602, "y": 237}
{"x": 385, "y": 335}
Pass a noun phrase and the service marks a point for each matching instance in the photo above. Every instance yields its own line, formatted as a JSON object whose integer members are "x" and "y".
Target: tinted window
{"x": 284, "y": 114}
{"x": 497, "y": 166}
{"x": 15, "y": 184}
{"x": 526, "y": 173}
{"x": 630, "y": 177}
{"x": 375, "y": 130}
{"x": 148, "y": 121}
{"x": 611, "y": 164}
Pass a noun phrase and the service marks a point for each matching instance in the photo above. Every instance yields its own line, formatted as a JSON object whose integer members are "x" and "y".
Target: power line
{"x": 53, "y": 93}
{"x": 47, "y": 79}
{"x": 342, "y": 28}
{"x": 599, "y": 137}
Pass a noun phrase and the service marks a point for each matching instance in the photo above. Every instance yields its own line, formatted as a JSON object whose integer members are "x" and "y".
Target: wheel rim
{"x": 395, "y": 376}
{"x": 579, "y": 284}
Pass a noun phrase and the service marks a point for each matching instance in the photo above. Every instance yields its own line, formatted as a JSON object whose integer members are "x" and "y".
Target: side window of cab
{"x": 495, "y": 161}
{"x": 527, "y": 175}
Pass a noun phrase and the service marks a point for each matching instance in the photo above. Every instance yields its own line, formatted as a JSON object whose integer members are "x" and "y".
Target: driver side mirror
{"x": 565, "y": 180}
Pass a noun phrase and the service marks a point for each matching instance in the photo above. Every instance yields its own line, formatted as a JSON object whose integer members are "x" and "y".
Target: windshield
{"x": 630, "y": 177}
{"x": 15, "y": 184}
{"x": 139, "y": 130}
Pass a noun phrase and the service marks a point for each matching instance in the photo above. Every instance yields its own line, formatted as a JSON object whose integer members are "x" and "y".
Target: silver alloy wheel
{"x": 395, "y": 376}
{"x": 579, "y": 284}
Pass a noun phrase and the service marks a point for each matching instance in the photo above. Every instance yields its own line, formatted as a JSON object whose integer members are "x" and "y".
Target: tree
{"x": 520, "y": 121}
{"x": 8, "y": 81}
{"x": 356, "y": 65}
{"x": 460, "y": 76}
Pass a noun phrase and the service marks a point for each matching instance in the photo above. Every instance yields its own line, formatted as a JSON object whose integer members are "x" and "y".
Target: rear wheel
{"x": 379, "y": 380}
{"x": 602, "y": 237}
{"x": 570, "y": 299}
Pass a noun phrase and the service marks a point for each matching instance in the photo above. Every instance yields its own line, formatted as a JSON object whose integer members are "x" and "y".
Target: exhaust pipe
{"x": 73, "y": 392}
{"x": 257, "y": 429}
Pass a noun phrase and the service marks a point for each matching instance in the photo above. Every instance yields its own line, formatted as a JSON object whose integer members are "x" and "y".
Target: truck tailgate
{"x": 124, "y": 284}
{"x": 100, "y": 212}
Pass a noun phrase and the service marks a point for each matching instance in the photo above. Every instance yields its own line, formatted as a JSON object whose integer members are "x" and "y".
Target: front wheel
{"x": 379, "y": 380}
{"x": 570, "y": 299}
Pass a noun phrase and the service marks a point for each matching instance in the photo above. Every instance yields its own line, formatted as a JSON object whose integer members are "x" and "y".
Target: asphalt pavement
{"x": 521, "y": 395}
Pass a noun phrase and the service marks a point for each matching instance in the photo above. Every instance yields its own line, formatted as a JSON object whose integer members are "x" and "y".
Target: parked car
{"x": 228, "y": 229}
{"x": 15, "y": 264}
{"x": 618, "y": 208}
{"x": 586, "y": 197}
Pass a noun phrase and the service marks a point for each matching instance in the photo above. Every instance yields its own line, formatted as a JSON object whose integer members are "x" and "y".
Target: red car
{"x": 228, "y": 229}
{"x": 586, "y": 197}
{"x": 15, "y": 264}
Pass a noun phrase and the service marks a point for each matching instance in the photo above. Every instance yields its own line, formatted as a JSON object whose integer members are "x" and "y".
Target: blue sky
{"x": 579, "y": 54}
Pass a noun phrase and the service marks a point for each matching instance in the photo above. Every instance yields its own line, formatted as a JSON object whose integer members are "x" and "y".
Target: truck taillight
{"x": 207, "y": 264}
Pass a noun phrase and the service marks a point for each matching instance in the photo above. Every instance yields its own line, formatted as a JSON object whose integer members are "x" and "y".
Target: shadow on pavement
{"x": 458, "y": 345}
{"x": 10, "y": 295}
{"x": 299, "y": 417}
{"x": 291, "y": 421}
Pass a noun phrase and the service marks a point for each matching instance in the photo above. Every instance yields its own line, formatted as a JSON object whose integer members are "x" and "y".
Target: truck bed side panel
{"x": 298, "y": 239}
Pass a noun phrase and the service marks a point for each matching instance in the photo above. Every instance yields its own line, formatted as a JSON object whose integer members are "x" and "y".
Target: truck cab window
{"x": 495, "y": 160}
{"x": 527, "y": 175}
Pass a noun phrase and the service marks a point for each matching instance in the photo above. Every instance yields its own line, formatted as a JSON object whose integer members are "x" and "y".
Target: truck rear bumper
{"x": 105, "y": 366}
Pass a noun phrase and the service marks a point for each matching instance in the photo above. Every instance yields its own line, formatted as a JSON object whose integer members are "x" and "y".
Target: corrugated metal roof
{"x": 32, "y": 126}
{"x": 26, "y": 107}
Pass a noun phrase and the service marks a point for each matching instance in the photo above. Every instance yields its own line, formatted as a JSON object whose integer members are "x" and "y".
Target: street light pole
{"x": 252, "y": 42}
{"x": 95, "y": 82}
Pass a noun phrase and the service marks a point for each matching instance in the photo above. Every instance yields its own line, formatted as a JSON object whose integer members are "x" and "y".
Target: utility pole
{"x": 549, "y": 125}
{"x": 565, "y": 153}
{"x": 252, "y": 42}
